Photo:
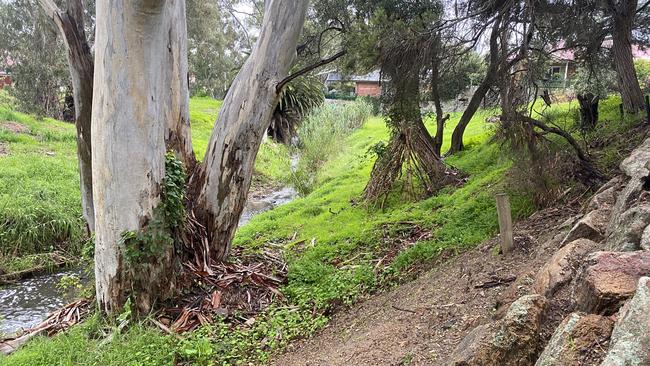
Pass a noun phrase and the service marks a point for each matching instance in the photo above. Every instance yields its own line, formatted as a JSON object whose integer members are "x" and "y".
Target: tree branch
{"x": 307, "y": 69}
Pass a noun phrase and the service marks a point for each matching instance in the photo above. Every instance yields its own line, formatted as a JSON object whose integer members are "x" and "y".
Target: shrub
{"x": 321, "y": 137}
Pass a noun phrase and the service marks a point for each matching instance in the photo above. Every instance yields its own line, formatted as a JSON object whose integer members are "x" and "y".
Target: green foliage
{"x": 599, "y": 82}
{"x": 322, "y": 136}
{"x": 40, "y": 70}
{"x": 468, "y": 69}
{"x": 642, "y": 68}
{"x": 301, "y": 95}
{"x": 169, "y": 216}
{"x": 214, "y": 45}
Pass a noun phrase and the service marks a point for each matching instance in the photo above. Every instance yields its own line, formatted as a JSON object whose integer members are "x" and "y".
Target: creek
{"x": 28, "y": 302}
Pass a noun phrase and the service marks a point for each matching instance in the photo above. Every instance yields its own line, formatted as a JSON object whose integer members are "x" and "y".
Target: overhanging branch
{"x": 307, "y": 69}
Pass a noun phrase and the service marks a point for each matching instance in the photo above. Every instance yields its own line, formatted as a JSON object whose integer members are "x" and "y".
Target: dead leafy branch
{"x": 236, "y": 291}
{"x": 58, "y": 321}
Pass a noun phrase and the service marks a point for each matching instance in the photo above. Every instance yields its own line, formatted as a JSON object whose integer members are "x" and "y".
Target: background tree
{"x": 39, "y": 70}
{"x": 394, "y": 37}
{"x": 71, "y": 27}
{"x": 216, "y": 47}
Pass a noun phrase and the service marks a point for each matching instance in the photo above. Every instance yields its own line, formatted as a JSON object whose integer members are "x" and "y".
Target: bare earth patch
{"x": 14, "y": 127}
{"x": 421, "y": 322}
{"x": 4, "y": 149}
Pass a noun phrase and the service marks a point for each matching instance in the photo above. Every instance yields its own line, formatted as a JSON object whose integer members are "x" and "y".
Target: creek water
{"x": 28, "y": 302}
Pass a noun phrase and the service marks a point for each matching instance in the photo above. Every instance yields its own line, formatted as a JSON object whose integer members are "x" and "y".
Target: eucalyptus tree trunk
{"x": 70, "y": 25}
{"x": 623, "y": 16}
{"x": 222, "y": 182}
{"x": 139, "y": 106}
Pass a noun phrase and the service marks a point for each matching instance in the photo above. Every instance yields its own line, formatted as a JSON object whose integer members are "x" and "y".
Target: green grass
{"x": 332, "y": 243}
{"x": 40, "y": 203}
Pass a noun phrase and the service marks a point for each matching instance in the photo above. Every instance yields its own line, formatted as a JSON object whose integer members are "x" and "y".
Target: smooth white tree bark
{"x": 140, "y": 103}
{"x": 223, "y": 180}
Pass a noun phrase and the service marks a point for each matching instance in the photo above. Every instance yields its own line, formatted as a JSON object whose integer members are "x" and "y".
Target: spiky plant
{"x": 297, "y": 99}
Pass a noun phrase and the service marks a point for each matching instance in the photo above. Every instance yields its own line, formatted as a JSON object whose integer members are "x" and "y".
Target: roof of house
{"x": 569, "y": 54}
{"x": 370, "y": 77}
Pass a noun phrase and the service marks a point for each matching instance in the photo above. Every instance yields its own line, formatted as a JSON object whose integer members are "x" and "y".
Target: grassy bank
{"x": 40, "y": 203}
{"x": 337, "y": 249}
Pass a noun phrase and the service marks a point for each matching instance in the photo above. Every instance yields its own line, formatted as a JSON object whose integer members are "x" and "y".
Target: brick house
{"x": 368, "y": 85}
{"x": 5, "y": 78}
{"x": 364, "y": 85}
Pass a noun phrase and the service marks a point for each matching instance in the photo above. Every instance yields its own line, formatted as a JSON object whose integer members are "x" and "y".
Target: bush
{"x": 643, "y": 73}
{"x": 321, "y": 137}
{"x": 375, "y": 102}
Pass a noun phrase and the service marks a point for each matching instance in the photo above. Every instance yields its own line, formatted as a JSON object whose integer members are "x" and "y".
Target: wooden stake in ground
{"x": 505, "y": 223}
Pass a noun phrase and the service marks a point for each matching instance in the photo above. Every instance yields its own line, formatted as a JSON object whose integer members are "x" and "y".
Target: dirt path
{"x": 421, "y": 322}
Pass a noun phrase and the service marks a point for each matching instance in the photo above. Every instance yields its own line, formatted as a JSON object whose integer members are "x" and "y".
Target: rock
{"x": 634, "y": 166}
{"x": 608, "y": 279}
{"x": 605, "y": 197}
{"x": 578, "y": 340}
{"x": 592, "y": 226}
{"x": 513, "y": 292}
{"x": 562, "y": 267}
{"x": 626, "y": 197}
{"x": 514, "y": 340}
{"x": 632, "y": 223}
{"x": 630, "y": 343}
{"x": 645, "y": 239}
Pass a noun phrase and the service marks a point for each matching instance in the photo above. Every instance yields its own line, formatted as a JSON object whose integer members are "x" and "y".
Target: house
{"x": 563, "y": 67}
{"x": 368, "y": 85}
{"x": 359, "y": 85}
{"x": 5, "y": 78}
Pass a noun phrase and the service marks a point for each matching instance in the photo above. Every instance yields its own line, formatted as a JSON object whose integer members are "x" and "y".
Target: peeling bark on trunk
{"x": 140, "y": 102}
{"x": 80, "y": 60}
{"x": 222, "y": 182}
{"x": 631, "y": 94}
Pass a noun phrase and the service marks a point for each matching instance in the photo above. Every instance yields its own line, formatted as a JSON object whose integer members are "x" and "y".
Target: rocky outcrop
{"x": 630, "y": 342}
{"x": 627, "y": 235}
{"x": 579, "y": 340}
{"x": 562, "y": 267}
{"x": 514, "y": 340}
{"x": 608, "y": 279}
{"x": 592, "y": 226}
{"x": 514, "y": 291}
{"x": 605, "y": 197}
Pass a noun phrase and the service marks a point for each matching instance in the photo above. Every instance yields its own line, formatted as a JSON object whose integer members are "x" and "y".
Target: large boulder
{"x": 514, "y": 291}
{"x": 627, "y": 235}
{"x": 562, "y": 267}
{"x": 578, "y": 340}
{"x": 608, "y": 279}
{"x": 605, "y": 197}
{"x": 514, "y": 340}
{"x": 628, "y": 196}
{"x": 635, "y": 165}
{"x": 592, "y": 226}
{"x": 630, "y": 343}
